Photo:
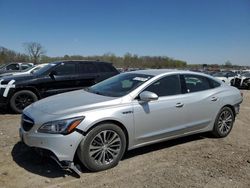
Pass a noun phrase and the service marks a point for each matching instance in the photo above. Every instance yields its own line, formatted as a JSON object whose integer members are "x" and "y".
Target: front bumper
{"x": 62, "y": 146}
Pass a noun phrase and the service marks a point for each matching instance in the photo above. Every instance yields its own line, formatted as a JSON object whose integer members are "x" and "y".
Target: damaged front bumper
{"x": 61, "y": 148}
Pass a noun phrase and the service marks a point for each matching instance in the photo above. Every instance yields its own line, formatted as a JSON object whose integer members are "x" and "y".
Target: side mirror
{"x": 148, "y": 96}
{"x": 52, "y": 74}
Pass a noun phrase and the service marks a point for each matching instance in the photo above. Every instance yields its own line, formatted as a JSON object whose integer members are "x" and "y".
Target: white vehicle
{"x": 27, "y": 71}
{"x": 226, "y": 77}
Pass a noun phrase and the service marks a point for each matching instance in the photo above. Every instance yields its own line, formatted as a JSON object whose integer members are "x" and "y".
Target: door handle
{"x": 214, "y": 98}
{"x": 179, "y": 105}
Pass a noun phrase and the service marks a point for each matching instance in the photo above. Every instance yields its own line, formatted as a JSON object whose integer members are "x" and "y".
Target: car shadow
{"x": 31, "y": 161}
{"x": 5, "y": 111}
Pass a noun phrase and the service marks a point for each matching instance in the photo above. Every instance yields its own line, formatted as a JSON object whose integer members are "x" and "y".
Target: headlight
{"x": 65, "y": 126}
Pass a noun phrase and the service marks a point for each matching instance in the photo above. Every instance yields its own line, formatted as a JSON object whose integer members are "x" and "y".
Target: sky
{"x": 196, "y": 31}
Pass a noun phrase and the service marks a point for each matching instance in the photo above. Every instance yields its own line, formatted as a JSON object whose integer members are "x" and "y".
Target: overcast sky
{"x": 197, "y": 31}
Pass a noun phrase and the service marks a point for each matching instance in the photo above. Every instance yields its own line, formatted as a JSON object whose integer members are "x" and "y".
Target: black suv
{"x": 57, "y": 77}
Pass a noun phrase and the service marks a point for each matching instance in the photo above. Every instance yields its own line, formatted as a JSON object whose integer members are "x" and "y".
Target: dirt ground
{"x": 194, "y": 161}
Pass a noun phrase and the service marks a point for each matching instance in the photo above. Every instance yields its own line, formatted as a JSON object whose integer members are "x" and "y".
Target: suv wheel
{"x": 22, "y": 99}
{"x": 102, "y": 148}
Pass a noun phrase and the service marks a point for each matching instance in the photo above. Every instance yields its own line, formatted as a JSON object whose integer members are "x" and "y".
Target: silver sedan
{"x": 128, "y": 111}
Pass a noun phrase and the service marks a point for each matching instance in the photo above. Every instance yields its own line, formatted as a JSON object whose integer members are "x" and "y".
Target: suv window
{"x": 169, "y": 85}
{"x": 87, "y": 68}
{"x": 196, "y": 83}
{"x": 12, "y": 67}
{"x": 23, "y": 66}
{"x": 106, "y": 67}
{"x": 65, "y": 69}
{"x": 231, "y": 74}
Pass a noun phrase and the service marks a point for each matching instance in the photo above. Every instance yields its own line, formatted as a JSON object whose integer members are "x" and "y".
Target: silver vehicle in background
{"x": 30, "y": 70}
{"x": 128, "y": 111}
{"x": 226, "y": 77}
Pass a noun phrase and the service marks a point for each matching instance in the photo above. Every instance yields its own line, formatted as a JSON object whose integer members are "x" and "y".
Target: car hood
{"x": 73, "y": 102}
{"x": 17, "y": 78}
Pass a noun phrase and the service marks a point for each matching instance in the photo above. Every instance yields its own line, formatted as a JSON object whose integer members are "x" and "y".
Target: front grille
{"x": 27, "y": 122}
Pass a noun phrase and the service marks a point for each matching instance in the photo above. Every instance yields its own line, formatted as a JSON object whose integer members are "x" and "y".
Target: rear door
{"x": 201, "y": 101}
{"x": 87, "y": 74}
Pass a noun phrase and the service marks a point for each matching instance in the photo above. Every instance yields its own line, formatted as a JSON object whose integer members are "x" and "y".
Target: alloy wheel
{"x": 225, "y": 122}
{"x": 105, "y": 147}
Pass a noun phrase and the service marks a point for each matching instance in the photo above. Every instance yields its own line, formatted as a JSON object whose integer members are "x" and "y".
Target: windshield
{"x": 45, "y": 69}
{"x": 119, "y": 85}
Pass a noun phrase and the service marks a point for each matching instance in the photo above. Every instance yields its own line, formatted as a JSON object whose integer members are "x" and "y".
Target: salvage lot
{"x": 194, "y": 161}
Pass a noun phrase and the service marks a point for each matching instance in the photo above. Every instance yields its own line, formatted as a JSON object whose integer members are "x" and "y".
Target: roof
{"x": 155, "y": 72}
{"x": 69, "y": 61}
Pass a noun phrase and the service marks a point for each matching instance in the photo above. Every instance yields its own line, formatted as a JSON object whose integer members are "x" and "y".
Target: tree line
{"x": 35, "y": 53}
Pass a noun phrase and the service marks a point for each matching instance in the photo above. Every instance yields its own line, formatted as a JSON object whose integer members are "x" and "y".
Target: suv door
{"x": 87, "y": 74}
{"x": 60, "y": 79}
{"x": 163, "y": 117}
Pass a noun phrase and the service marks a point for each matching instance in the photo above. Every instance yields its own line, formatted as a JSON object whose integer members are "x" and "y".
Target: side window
{"x": 214, "y": 83}
{"x": 24, "y": 67}
{"x": 231, "y": 74}
{"x": 87, "y": 68}
{"x": 106, "y": 68}
{"x": 66, "y": 69}
{"x": 12, "y": 67}
{"x": 196, "y": 83}
{"x": 169, "y": 85}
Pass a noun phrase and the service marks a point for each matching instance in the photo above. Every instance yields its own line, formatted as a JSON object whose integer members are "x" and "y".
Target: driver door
{"x": 161, "y": 118}
{"x": 62, "y": 81}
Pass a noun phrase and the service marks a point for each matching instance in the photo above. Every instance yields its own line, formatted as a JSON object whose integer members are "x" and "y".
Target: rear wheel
{"x": 103, "y": 147}
{"x": 21, "y": 100}
{"x": 223, "y": 123}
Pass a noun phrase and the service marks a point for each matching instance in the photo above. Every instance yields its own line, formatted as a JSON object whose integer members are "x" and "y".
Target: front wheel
{"x": 223, "y": 123}
{"x": 21, "y": 100}
{"x": 103, "y": 147}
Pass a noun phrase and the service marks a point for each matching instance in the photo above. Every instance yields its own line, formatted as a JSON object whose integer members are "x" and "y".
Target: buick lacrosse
{"x": 128, "y": 111}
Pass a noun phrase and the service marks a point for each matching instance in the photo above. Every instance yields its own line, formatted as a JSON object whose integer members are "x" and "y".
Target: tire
{"x": 21, "y": 100}
{"x": 91, "y": 149}
{"x": 223, "y": 123}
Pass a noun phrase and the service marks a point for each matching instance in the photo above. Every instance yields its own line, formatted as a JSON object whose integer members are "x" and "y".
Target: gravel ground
{"x": 194, "y": 161}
